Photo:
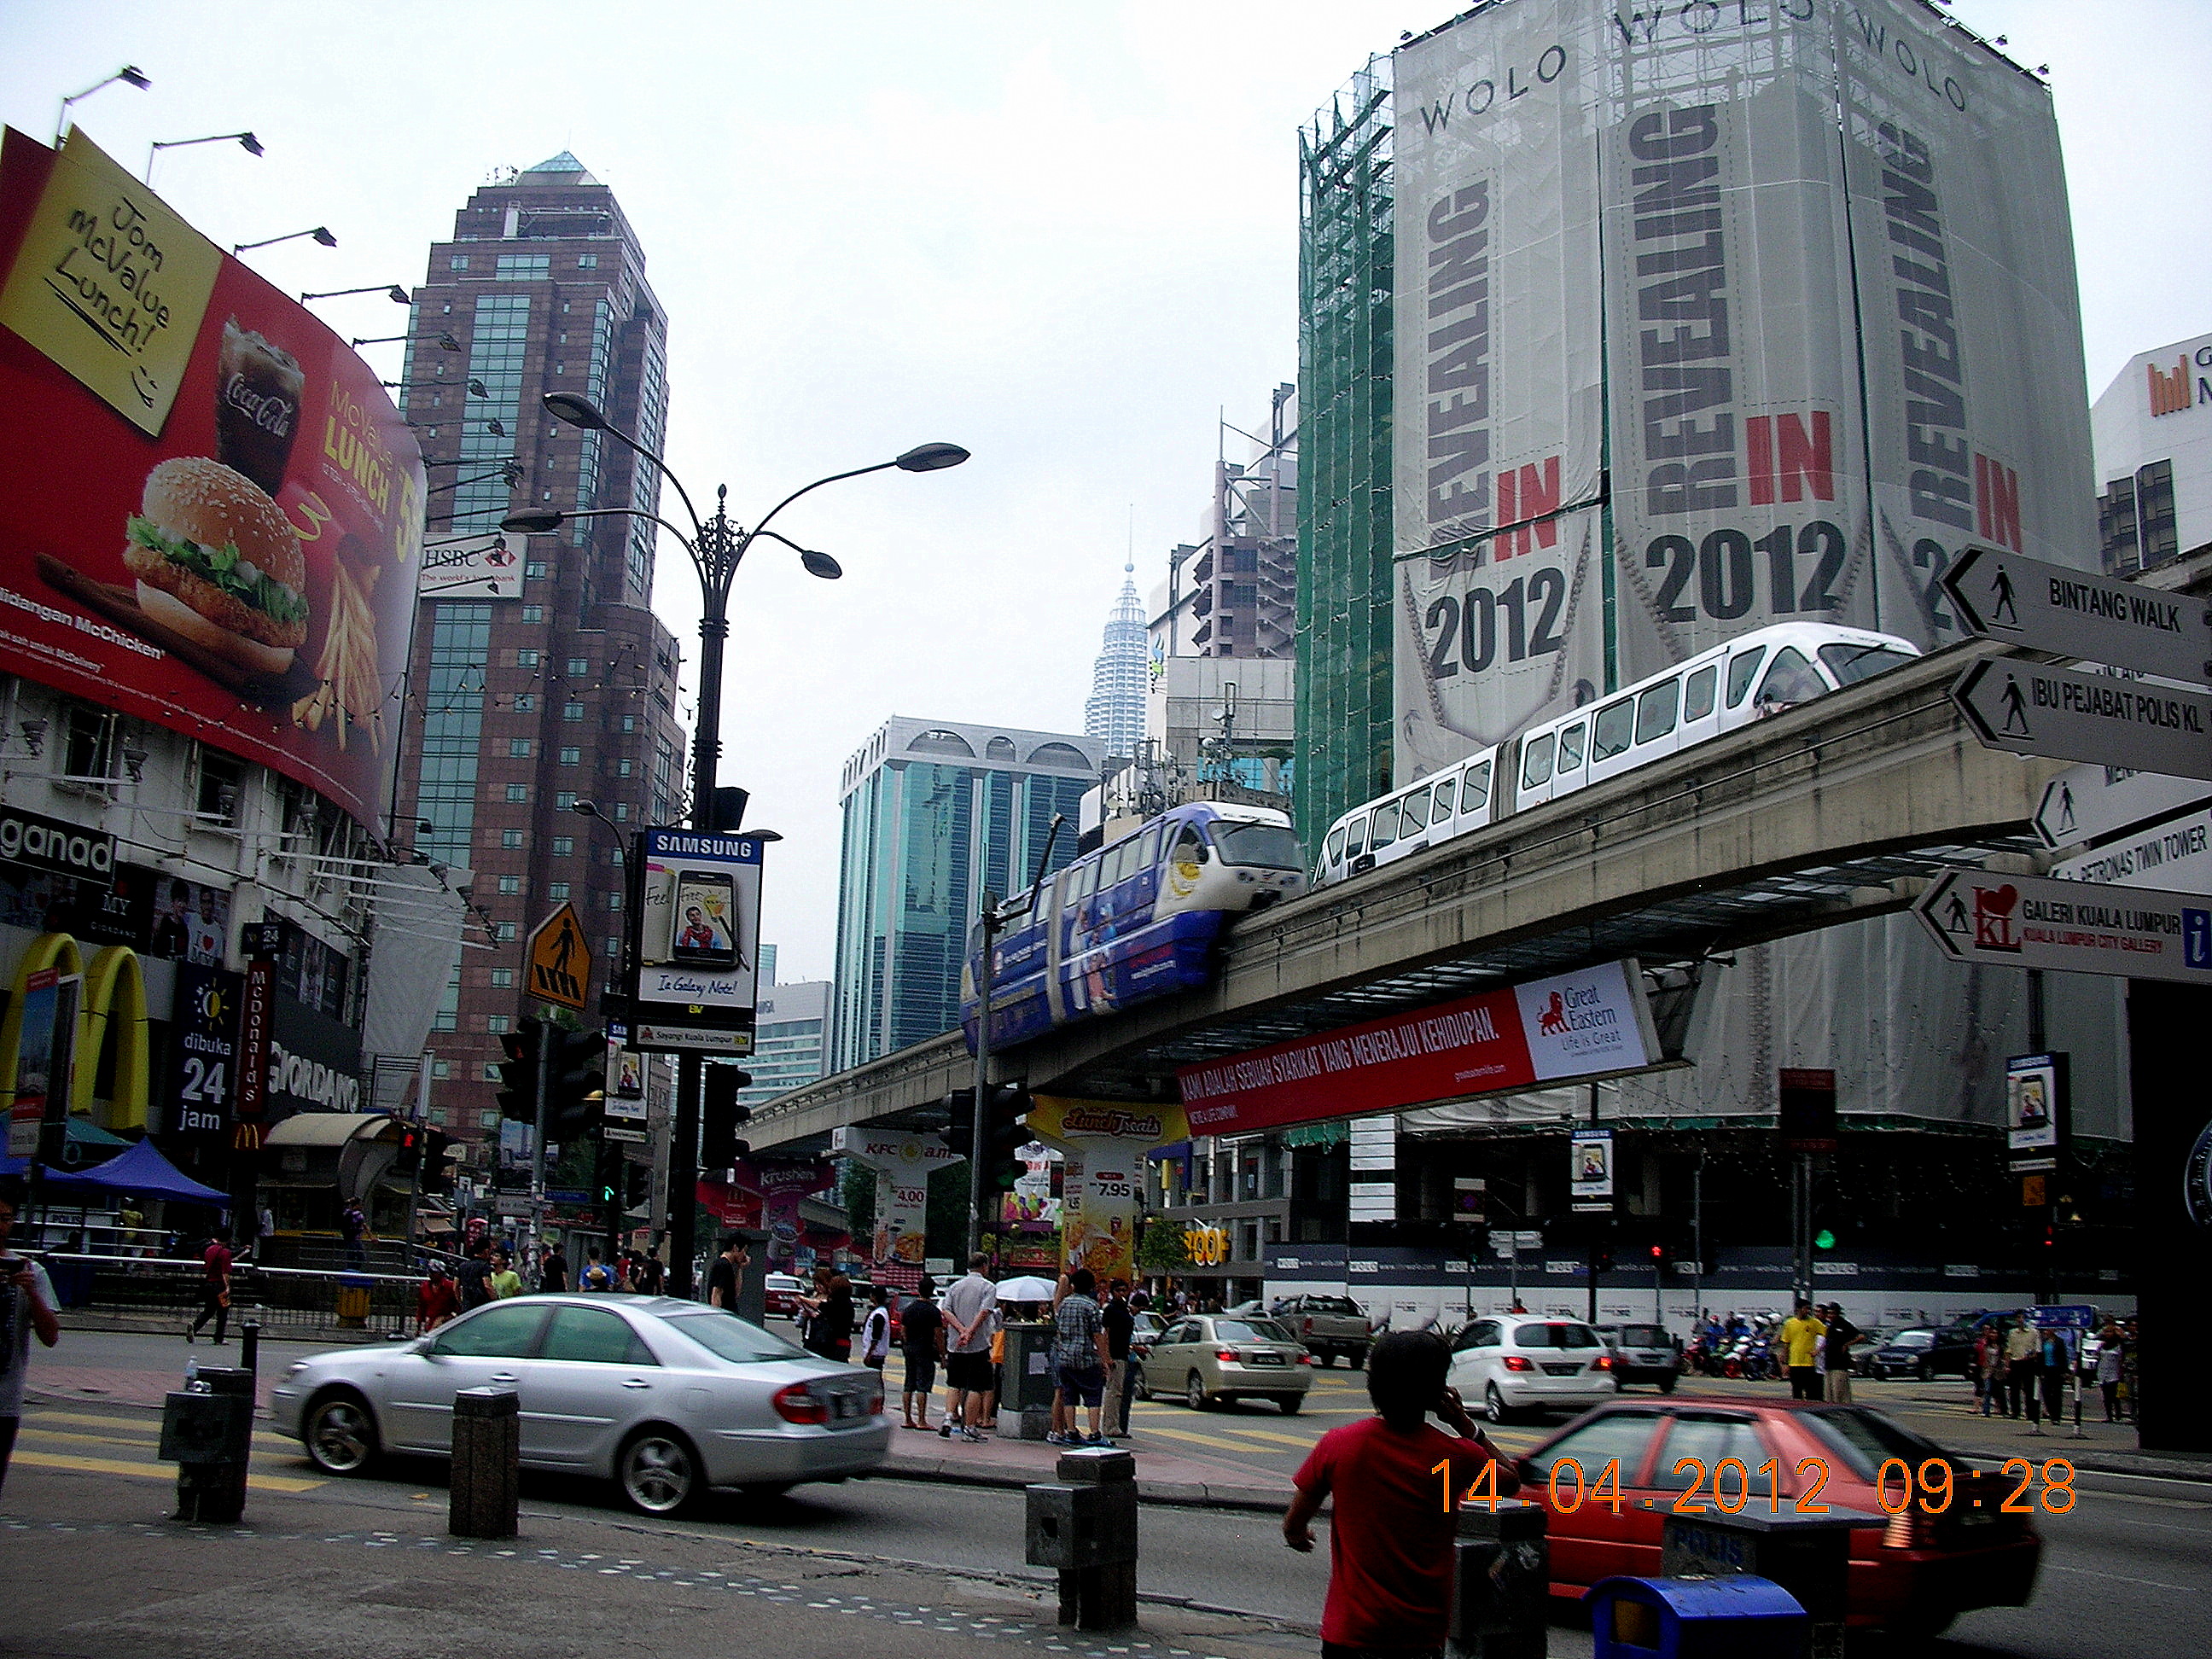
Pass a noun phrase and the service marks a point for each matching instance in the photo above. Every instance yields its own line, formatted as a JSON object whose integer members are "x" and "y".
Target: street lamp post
{"x": 320, "y": 233}
{"x": 717, "y": 547}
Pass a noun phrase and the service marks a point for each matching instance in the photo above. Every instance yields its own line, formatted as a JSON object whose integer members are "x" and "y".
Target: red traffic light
{"x": 1658, "y": 1252}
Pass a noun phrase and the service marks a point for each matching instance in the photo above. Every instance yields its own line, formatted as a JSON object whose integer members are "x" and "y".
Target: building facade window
{"x": 556, "y": 892}
{"x": 564, "y": 801}
{"x": 452, "y": 728}
{"x": 502, "y": 979}
{"x": 517, "y": 792}
{"x": 510, "y": 838}
{"x": 572, "y": 711}
{"x": 518, "y": 748}
{"x": 525, "y": 702}
{"x": 579, "y": 668}
{"x": 563, "y": 846}
{"x": 522, "y": 267}
{"x": 572, "y": 756}
{"x": 497, "y": 1023}
{"x": 514, "y": 884}
{"x": 505, "y": 932}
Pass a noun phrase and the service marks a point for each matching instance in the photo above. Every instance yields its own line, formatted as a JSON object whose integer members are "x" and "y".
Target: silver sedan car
{"x": 666, "y": 1398}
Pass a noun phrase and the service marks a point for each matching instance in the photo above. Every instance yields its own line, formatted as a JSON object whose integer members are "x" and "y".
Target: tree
{"x": 858, "y": 1190}
{"x": 1160, "y": 1246}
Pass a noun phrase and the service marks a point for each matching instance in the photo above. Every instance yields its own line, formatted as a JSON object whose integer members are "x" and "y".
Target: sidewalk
{"x": 353, "y": 1579}
{"x": 1162, "y": 1477}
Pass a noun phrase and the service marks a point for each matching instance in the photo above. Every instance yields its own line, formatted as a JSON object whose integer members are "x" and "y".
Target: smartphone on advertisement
{"x": 702, "y": 931}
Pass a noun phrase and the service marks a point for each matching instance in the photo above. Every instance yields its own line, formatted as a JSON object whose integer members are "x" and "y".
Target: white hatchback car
{"x": 1521, "y": 1363}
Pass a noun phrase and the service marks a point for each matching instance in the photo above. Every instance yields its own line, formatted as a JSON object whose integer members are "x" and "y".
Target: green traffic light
{"x": 1824, "y": 1240}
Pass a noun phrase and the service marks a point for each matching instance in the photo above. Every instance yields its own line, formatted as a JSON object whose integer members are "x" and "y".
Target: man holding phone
{"x": 1391, "y": 1530}
{"x": 26, "y": 1304}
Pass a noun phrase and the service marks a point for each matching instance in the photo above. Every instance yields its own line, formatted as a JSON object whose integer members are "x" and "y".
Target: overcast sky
{"x": 1065, "y": 236}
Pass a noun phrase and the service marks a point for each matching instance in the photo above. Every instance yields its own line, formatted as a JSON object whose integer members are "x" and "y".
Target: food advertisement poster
{"x": 211, "y": 512}
{"x": 1104, "y": 1143}
{"x": 902, "y": 1162}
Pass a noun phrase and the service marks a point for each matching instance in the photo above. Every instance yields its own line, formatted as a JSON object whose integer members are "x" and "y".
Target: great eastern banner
{"x": 1594, "y": 1023}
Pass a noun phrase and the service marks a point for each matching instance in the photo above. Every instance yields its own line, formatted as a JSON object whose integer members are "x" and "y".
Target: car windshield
{"x": 1331, "y": 1304}
{"x": 1865, "y": 1439}
{"x": 731, "y": 1338}
{"x": 1914, "y": 1340}
{"x": 1643, "y": 1336}
{"x": 1268, "y": 845}
{"x": 1555, "y": 1336}
{"x": 1850, "y": 664}
{"x": 1250, "y": 1330}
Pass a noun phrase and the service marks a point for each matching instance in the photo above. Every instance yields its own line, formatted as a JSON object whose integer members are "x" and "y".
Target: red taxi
{"x": 1954, "y": 1545}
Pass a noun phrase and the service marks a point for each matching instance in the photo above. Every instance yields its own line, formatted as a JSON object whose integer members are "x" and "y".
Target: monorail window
{"x": 1264, "y": 845}
{"x": 1355, "y": 838}
{"x": 1572, "y": 740}
{"x": 1125, "y": 856}
{"x": 1189, "y": 847}
{"x": 1414, "y": 812}
{"x": 1656, "y": 711}
{"x": 1613, "y": 728}
{"x": 1475, "y": 789}
{"x": 1791, "y": 679}
{"x": 1384, "y": 829}
{"x": 1741, "y": 670}
{"x": 1697, "y": 692}
{"x": 1850, "y": 664}
{"x": 1148, "y": 851}
{"x": 1335, "y": 845}
{"x": 1536, "y": 760}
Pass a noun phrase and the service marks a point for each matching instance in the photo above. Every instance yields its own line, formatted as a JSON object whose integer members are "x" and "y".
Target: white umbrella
{"x": 1026, "y": 1288}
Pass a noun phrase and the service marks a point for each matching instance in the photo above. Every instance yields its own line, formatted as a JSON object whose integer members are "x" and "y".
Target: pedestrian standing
{"x": 596, "y": 1275}
{"x": 1121, "y": 1325}
{"x": 829, "y": 1333}
{"x": 971, "y": 1316}
{"x": 921, "y": 1340}
{"x": 1989, "y": 1366}
{"x": 472, "y": 1278}
{"x": 215, "y": 1285}
{"x": 352, "y": 1227}
{"x": 728, "y": 1272}
{"x": 2056, "y": 1358}
{"x": 1836, "y": 1345}
{"x": 1080, "y": 1359}
{"x": 27, "y": 1305}
{"x": 1391, "y": 1540}
{"x": 552, "y": 1270}
{"x": 435, "y": 1301}
{"x": 875, "y": 1329}
{"x": 1801, "y": 1341}
{"x": 2020, "y": 1367}
{"x": 2108, "y": 1369}
{"x": 505, "y": 1282}
{"x": 646, "y": 1277}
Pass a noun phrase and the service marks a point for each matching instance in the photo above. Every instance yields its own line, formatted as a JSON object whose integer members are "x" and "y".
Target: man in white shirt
{"x": 26, "y": 1304}
{"x": 971, "y": 1317}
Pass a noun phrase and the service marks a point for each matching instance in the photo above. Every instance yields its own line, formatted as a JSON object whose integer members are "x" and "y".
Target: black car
{"x": 1923, "y": 1354}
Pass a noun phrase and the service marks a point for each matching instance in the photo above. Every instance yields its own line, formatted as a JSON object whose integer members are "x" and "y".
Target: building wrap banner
{"x": 210, "y": 510}
{"x": 1751, "y": 270}
{"x": 1499, "y": 360}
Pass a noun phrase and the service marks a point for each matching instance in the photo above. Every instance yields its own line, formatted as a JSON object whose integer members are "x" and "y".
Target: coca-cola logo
{"x": 266, "y": 409}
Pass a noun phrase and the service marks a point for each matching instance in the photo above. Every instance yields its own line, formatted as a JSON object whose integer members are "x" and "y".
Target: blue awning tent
{"x": 141, "y": 1170}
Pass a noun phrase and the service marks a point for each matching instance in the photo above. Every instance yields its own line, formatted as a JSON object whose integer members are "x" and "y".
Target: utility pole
{"x": 538, "y": 1136}
{"x": 990, "y": 923}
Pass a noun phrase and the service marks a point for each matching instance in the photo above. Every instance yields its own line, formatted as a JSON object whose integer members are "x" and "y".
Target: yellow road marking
{"x": 1270, "y": 1434}
{"x": 148, "y": 1444}
{"x": 154, "y": 1471}
{"x": 1201, "y": 1439}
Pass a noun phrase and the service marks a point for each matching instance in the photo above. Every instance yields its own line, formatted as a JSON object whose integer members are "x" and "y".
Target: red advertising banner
{"x": 1593, "y": 1023}
{"x": 211, "y": 513}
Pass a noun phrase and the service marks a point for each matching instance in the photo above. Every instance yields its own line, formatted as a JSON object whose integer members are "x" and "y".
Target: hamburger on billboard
{"x": 209, "y": 512}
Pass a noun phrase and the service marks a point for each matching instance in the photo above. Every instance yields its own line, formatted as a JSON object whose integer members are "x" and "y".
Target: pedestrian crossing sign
{"x": 560, "y": 961}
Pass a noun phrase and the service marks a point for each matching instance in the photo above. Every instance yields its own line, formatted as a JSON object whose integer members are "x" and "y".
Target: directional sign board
{"x": 2089, "y": 802}
{"x": 2175, "y": 855}
{"x": 2072, "y": 613}
{"x": 560, "y": 961}
{"x": 2068, "y": 927}
{"x": 2066, "y": 715}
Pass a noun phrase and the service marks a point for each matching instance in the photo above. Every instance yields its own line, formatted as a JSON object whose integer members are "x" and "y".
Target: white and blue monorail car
{"x": 1659, "y": 715}
{"x": 1134, "y": 919}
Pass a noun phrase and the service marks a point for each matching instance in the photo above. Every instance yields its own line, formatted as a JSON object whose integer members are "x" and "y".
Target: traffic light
{"x": 577, "y": 1087}
{"x": 1601, "y": 1259}
{"x": 1004, "y": 1135}
{"x": 518, "y": 1072}
{"x": 1658, "y": 1256}
{"x": 1824, "y": 1240}
{"x": 409, "y": 1159}
{"x": 721, "y": 1116}
{"x": 437, "y": 1175}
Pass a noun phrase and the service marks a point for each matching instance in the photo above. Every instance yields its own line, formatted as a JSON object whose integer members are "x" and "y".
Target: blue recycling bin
{"x": 1734, "y": 1617}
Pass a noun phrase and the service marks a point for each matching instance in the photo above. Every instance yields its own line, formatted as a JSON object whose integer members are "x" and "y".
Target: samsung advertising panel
{"x": 696, "y": 942}
{"x": 209, "y": 511}
{"x": 1830, "y": 357}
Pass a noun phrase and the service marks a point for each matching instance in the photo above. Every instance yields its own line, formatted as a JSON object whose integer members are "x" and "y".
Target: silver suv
{"x": 1644, "y": 1353}
{"x": 1510, "y": 1364}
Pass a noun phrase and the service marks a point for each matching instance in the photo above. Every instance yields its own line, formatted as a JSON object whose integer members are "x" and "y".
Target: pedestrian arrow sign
{"x": 560, "y": 961}
{"x": 2072, "y": 613}
{"x": 2089, "y": 802}
{"x": 2065, "y": 715}
{"x": 2068, "y": 926}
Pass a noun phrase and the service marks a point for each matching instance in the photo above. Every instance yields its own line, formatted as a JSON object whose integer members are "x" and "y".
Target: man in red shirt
{"x": 215, "y": 1286}
{"x": 1391, "y": 1531}
{"x": 435, "y": 1302}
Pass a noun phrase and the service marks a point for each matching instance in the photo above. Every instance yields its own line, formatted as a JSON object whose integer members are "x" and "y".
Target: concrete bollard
{"x": 1501, "y": 1583}
{"x": 484, "y": 1495}
{"x": 1085, "y": 1524}
{"x": 249, "y": 1347}
{"x": 208, "y": 1436}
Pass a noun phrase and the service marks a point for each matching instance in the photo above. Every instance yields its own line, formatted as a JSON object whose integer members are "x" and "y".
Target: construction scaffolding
{"x": 1345, "y": 709}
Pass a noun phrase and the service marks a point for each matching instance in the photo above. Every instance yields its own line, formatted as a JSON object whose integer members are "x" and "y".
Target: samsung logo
{"x": 27, "y": 838}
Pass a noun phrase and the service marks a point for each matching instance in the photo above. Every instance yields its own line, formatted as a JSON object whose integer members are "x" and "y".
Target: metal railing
{"x": 296, "y": 1300}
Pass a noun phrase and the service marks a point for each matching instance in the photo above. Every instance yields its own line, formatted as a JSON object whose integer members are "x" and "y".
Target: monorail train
{"x": 1710, "y": 694}
{"x": 1134, "y": 919}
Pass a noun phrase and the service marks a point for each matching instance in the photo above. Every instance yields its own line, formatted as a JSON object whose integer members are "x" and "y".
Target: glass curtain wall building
{"x": 936, "y": 815}
{"x": 790, "y": 1038}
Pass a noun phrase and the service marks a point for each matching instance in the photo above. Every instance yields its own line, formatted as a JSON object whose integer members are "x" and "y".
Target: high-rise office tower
{"x": 1116, "y": 712}
{"x": 937, "y": 815}
{"x": 791, "y": 1032}
{"x": 533, "y": 687}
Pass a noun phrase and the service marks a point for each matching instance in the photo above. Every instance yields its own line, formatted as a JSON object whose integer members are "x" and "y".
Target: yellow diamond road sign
{"x": 560, "y": 961}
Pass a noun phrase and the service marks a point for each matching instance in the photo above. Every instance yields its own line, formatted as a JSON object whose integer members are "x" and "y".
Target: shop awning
{"x": 325, "y": 1128}
{"x": 141, "y": 1169}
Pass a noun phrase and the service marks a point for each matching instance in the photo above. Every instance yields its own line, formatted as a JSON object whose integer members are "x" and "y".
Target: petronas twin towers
{"x": 1115, "y": 714}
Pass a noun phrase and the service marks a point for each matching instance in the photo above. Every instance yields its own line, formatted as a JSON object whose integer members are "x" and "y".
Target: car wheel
{"x": 1288, "y": 1404}
{"x": 1925, "y": 1371}
{"x": 1493, "y": 1405}
{"x": 658, "y": 1472}
{"x": 340, "y": 1435}
{"x": 1144, "y": 1385}
{"x": 1357, "y": 1358}
{"x": 1194, "y": 1395}
{"x": 1666, "y": 1382}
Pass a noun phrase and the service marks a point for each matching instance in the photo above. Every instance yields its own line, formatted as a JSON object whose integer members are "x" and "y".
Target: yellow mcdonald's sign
{"x": 112, "y": 1009}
